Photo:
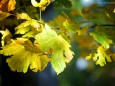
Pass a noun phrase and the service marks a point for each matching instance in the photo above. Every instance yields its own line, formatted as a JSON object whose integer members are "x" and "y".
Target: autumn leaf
{"x": 6, "y": 36}
{"x": 11, "y": 5}
{"x": 3, "y": 5}
{"x": 68, "y": 26}
{"x": 48, "y": 40}
{"x": 28, "y": 28}
{"x": 23, "y": 16}
{"x": 102, "y": 39}
{"x": 4, "y": 15}
{"x": 23, "y": 27}
{"x": 24, "y": 55}
{"x": 42, "y": 4}
{"x": 100, "y": 57}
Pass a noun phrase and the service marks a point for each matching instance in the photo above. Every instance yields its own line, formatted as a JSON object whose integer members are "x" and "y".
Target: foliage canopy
{"x": 32, "y": 43}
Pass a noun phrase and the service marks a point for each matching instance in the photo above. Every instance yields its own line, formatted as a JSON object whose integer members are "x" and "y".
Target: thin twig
{"x": 40, "y": 15}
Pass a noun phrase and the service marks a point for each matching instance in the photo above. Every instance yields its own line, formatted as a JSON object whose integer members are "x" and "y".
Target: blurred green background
{"x": 80, "y": 72}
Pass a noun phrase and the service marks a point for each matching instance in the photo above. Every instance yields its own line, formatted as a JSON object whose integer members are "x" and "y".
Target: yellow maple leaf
{"x": 42, "y": 4}
{"x": 100, "y": 57}
{"x": 24, "y": 55}
{"x": 23, "y": 16}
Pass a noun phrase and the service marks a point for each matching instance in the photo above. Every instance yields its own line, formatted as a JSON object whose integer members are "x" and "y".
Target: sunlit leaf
{"x": 100, "y": 57}
{"x": 23, "y": 30}
{"x": 89, "y": 57}
{"x": 23, "y": 27}
{"x": 28, "y": 28}
{"x": 24, "y": 55}
{"x": 58, "y": 61}
{"x": 11, "y": 5}
{"x": 23, "y": 16}
{"x": 42, "y": 4}
{"x": 102, "y": 39}
{"x": 59, "y": 47}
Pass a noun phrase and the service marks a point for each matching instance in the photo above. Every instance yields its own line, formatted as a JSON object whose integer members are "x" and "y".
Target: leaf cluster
{"x": 34, "y": 42}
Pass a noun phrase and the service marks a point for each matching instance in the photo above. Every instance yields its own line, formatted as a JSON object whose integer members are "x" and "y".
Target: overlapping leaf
{"x": 5, "y": 7}
{"x": 28, "y": 28}
{"x": 24, "y": 55}
{"x": 102, "y": 39}
{"x": 48, "y": 40}
{"x": 23, "y": 16}
{"x": 4, "y": 15}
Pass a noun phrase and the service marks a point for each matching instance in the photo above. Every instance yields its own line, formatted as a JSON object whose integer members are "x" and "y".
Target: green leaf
{"x": 24, "y": 55}
{"x": 58, "y": 61}
{"x": 46, "y": 37}
{"x": 102, "y": 39}
{"x": 48, "y": 40}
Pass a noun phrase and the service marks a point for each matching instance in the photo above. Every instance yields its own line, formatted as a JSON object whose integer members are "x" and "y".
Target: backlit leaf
{"x": 29, "y": 28}
{"x": 11, "y": 5}
{"x": 42, "y": 4}
{"x": 100, "y": 57}
{"x": 58, "y": 61}
{"x": 23, "y": 27}
{"x": 24, "y": 55}
{"x": 102, "y": 39}
{"x": 23, "y": 16}
{"x": 59, "y": 47}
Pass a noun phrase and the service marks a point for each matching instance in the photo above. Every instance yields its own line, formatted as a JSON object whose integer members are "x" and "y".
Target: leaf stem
{"x": 40, "y": 14}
